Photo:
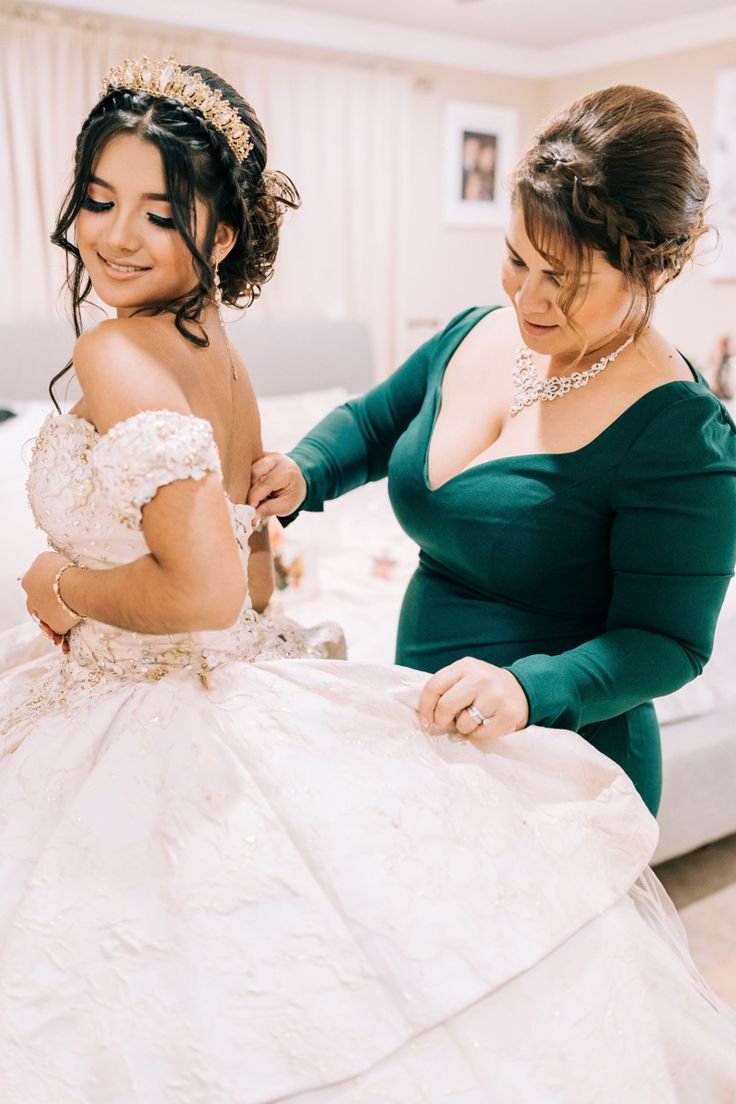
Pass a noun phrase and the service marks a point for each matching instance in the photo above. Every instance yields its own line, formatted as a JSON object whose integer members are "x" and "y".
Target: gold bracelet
{"x": 57, "y": 580}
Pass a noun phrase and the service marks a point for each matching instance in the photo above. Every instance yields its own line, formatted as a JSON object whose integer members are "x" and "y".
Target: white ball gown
{"x": 234, "y": 870}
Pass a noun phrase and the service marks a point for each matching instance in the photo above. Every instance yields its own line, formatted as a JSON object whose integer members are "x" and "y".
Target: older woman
{"x": 574, "y": 499}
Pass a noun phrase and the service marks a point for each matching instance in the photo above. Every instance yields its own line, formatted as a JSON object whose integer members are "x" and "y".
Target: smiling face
{"x": 134, "y": 255}
{"x": 599, "y": 310}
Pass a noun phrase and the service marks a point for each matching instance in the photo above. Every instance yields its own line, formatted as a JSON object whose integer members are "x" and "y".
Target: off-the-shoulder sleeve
{"x": 143, "y": 453}
{"x": 673, "y": 544}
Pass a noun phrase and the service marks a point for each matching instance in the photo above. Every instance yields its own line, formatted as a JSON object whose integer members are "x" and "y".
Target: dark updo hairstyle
{"x": 618, "y": 172}
{"x": 198, "y": 161}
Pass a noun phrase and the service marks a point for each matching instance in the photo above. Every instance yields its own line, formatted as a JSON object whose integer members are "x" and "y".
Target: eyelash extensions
{"x": 95, "y": 205}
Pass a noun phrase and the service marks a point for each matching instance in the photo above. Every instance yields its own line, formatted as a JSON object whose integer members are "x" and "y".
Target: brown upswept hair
{"x": 197, "y": 161}
{"x": 618, "y": 172}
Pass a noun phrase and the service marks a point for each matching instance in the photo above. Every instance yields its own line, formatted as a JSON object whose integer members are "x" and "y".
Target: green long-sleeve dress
{"x": 595, "y": 576}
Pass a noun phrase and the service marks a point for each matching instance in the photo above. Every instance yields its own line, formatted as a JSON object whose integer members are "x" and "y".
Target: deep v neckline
{"x": 476, "y": 465}
{"x": 437, "y": 404}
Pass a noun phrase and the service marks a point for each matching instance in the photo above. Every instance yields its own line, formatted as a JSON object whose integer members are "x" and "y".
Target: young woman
{"x": 574, "y": 499}
{"x": 232, "y": 870}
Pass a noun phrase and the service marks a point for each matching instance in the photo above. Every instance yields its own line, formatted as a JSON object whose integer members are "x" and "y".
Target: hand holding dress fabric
{"x": 476, "y": 698}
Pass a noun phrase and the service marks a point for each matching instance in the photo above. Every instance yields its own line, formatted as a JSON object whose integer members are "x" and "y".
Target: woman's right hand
{"x": 277, "y": 487}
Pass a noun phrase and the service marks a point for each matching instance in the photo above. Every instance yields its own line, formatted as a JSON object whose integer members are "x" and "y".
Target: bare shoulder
{"x": 654, "y": 361}
{"x": 124, "y": 366}
{"x": 670, "y": 362}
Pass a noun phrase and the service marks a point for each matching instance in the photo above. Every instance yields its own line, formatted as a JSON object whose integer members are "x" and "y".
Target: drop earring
{"x": 218, "y": 303}
{"x": 218, "y": 286}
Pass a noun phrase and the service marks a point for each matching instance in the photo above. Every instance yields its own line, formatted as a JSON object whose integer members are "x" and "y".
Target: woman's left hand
{"x": 491, "y": 692}
{"x": 41, "y": 602}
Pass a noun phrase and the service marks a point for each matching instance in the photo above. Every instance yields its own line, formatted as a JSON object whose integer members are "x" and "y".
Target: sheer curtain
{"x": 337, "y": 129}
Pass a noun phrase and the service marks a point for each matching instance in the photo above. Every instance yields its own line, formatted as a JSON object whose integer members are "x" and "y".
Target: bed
{"x": 351, "y": 563}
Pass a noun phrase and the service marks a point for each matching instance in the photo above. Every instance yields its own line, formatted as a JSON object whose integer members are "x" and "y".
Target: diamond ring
{"x": 478, "y": 716}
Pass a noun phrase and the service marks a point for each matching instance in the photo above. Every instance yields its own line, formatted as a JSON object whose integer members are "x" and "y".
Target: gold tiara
{"x": 168, "y": 79}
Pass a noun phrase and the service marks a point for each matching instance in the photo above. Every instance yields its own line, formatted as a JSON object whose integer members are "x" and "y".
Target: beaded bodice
{"x": 87, "y": 493}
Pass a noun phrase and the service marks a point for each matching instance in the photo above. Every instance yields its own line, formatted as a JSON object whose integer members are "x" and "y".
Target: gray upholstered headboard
{"x": 283, "y": 357}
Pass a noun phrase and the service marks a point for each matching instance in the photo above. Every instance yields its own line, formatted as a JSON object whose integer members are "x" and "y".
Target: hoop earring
{"x": 218, "y": 286}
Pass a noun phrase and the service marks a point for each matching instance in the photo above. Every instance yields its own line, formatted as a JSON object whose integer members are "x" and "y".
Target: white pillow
{"x": 286, "y": 418}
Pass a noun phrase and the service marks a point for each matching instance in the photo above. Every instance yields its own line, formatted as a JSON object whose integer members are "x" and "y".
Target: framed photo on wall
{"x": 479, "y": 152}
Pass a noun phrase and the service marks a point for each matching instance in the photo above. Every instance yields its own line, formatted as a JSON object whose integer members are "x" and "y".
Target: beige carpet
{"x": 703, "y": 887}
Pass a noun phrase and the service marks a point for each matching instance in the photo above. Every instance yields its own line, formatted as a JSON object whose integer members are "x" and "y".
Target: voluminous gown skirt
{"x": 268, "y": 884}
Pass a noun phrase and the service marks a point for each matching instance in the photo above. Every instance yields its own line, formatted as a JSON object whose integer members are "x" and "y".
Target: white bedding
{"x": 20, "y": 540}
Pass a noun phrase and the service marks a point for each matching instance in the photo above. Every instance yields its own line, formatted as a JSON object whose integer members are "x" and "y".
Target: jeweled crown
{"x": 166, "y": 79}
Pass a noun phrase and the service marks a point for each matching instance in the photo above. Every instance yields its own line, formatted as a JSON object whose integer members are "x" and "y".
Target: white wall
{"x": 447, "y": 268}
